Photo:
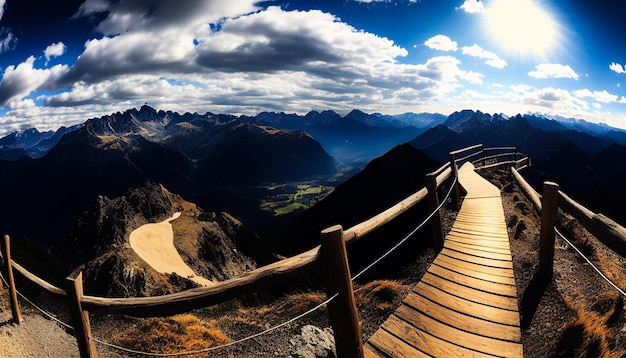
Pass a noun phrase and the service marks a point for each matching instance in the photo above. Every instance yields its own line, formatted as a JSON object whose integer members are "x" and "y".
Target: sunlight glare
{"x": 521, "y": 26}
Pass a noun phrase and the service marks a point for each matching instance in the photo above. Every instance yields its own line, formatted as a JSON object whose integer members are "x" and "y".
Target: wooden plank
{"x": 489, "y": 252}
{"x": 469, "y": 308}
{"x": 487, "y": 286}
{"x": 466, "y": 239}
{"x": 430, "y": 344}
{"x": 391, "y": 346}
{"x": 493, "y": 271}
{"x": 470, "y": 293}
{"x": 481, "y": 260}
{"x": 473, "y": 273}
{"x": 371, "y": 352}
{"x": 454, "y": 335}
{"x": 480, "y": 234}
{"x": 463, "y": 322}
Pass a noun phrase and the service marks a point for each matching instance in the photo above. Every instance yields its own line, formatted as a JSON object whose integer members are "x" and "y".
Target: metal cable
{"x": 224, "y": 345}
{"x": 590, "y": 263}
{"x": 49, "y": 315}
{"x": 363, "y": 271}
{"x": 375, "y": 262}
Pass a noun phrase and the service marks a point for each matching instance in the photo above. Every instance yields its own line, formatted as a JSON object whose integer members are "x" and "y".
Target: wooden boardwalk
{"x": 466, "y": 303}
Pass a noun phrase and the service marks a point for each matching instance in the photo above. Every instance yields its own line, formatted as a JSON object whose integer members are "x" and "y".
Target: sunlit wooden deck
{"x": 466, "y": 304}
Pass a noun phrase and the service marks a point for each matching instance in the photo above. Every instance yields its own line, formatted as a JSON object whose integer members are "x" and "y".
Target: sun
{"x": 523, "y": 27}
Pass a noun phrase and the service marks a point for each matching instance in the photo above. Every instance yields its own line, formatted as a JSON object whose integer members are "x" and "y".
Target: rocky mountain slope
{"x": 202, "y": 157}
{"x": 215, "y": 245}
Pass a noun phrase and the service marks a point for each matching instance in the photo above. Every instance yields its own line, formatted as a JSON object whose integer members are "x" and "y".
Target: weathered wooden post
{"x": 342, "y": 310}
{"x": 455, "y": 175}
{"x": 433, "y": 203}
{"x": 80, "y": 318}
{"x": 549, "y": 207}
{"x": 8, "y": 266}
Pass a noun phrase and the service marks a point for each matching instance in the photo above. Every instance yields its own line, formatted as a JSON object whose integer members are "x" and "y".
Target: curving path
{"x": 466, "y": 303}
{"x": 154, "y": 243}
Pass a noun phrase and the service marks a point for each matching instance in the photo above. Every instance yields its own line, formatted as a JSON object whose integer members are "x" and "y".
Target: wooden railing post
{"x": 6, "y": 253}
{"x": 342, "y": 310}
{"x": 549, "y": 207}
{"x": 455, "y": 174}
{"x": 433, "y": 203}
{"x": 80, "y": 318}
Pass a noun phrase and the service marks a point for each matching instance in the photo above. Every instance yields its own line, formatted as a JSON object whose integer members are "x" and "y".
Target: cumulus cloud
{"x": 54, "y": 50}
{"x": 599, "y": 96}
{"x": 2, "y": 5}
{"x": 472, "y": 6}
{"x": 553, "y": 70}
{"x": 616, "y": 67}
{"x": 553, "y": 100}
{"x": 441, "y": 43}
{"x": 491, "y": 58}
{"x": 19, "y": 81}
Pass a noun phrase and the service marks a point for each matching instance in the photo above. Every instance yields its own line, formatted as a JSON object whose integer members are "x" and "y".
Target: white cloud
{"x": 622, "y": 100}
{"x": 472, "y": 6}
{"x": 441, "y": 43}
{"x": 19, "y": 81}
{"x": 553, "y": 70}
{"x": 616, "y": 67}
{"x": 491, "y": 58}
{"x": 54, "y": 50}
{"x": 2, "y": 6}
{"x": 600, "y": 96}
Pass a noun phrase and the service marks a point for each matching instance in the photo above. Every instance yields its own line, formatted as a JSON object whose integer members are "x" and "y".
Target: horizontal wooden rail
{"x": 531, "y": 194}
{"x": 500, "y": 148}
{"x": 39, "y": 281}
{"x": 455, "y": 152}
{"x": 441, "y": 169}
{"x": 187, "y": 300}
{"x": 469, "y": 156}
{"x": 358, "y": 231}
{"x": 603, "y": 228}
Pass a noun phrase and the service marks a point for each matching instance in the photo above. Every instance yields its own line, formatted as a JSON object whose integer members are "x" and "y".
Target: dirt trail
{"x": 154, "y": 243}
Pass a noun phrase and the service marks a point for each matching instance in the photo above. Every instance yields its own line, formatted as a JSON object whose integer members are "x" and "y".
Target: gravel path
{"x": 34, "y": 337}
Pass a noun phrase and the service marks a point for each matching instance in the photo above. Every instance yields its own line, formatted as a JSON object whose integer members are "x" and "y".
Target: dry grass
{"x": 596, "y": 332}
{"x": 168, "y": 335}
{"x": 380, "y": 294}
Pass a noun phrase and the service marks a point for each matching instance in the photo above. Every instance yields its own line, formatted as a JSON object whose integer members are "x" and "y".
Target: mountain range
{"x": 49, "y": 181}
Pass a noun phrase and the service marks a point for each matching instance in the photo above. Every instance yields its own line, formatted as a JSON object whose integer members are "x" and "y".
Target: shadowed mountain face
{"x": 384, "y": 182}
{"x": 191, "y": 154}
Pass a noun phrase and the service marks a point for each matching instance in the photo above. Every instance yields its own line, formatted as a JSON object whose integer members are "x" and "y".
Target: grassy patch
{"x": 170, "y": 335}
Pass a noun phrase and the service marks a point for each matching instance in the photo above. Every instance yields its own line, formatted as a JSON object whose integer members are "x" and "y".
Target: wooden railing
{"x": 603, "y": 228}
{"x": 348, "y": 341}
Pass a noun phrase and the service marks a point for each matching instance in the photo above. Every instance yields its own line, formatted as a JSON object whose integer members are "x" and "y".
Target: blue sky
{"x": 61, "y": 64}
